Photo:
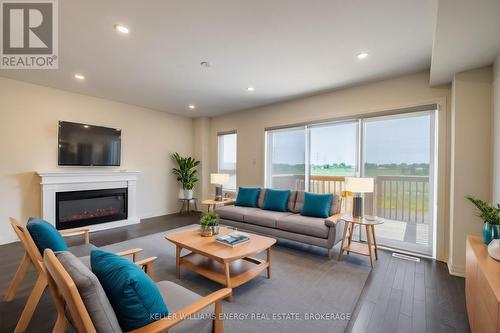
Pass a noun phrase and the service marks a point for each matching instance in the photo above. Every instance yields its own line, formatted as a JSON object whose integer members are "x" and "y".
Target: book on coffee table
{"x": 232, "y": 239}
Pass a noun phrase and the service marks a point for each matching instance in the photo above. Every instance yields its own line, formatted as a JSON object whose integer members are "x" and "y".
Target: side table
{"x": 367, "y": 249}
{"x": 211, "y": 203}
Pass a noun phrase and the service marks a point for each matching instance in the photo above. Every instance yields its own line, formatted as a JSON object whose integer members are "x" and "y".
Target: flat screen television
{"x": 87, "y": 145}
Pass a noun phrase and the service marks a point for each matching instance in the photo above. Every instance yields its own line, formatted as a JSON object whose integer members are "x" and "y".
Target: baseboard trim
{"x": 456, "y": 270}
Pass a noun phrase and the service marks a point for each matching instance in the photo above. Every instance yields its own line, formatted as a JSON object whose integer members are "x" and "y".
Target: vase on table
{"x": 495, "y": 231}
{"x": 487, "y": 233}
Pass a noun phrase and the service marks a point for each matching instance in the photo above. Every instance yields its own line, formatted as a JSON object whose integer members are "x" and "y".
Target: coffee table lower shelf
{"x": 238, "y": 272}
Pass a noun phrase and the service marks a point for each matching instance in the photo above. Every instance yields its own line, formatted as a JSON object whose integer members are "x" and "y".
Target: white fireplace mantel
{"x": 81, "y": 180}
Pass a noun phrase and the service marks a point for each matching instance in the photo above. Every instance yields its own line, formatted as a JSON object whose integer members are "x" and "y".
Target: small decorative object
{"x": 218, "y": 179}
{"x": 358, "y": 186}
{"x": 186, "y": 174}
{"x": 490, "y": 214}
{"x": 209, "y": 224}
{"x": 494, "y": 249}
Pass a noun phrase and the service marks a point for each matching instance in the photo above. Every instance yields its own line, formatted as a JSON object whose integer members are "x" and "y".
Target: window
{"x": 227, "y": 158}
{"x": 286, "y": 164}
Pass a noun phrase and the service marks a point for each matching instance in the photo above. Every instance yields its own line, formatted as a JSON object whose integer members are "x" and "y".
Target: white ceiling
{"x": 284, "y": 48}
{"x": 467, "y": 36}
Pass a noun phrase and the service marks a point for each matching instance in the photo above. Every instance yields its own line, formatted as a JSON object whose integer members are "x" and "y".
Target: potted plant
{"x": 209, "y": 224}
{"x": 490, "y": 214}
{"x": 186, "y": 174}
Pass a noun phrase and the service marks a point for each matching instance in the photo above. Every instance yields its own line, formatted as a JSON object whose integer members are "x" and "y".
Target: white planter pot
{"x": 185, "y": 194}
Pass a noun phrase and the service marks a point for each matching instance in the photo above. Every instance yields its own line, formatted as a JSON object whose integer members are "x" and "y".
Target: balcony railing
{"x": 401, "y": 198}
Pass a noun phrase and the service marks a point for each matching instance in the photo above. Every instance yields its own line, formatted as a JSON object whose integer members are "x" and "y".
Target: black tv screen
{"x": 87, "y": 145}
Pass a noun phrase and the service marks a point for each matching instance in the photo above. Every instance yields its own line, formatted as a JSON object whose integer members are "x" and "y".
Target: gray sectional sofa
{"x": 290, "y": 225}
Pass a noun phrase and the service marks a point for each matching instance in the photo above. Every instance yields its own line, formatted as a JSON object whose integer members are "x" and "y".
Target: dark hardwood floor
{"x": 399, "y": 295}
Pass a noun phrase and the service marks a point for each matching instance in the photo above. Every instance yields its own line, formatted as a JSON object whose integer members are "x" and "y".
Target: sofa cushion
{"x": 276, "y": 200}
{"x": 93, "y": 295}
{"x": 305, "y": 225}
{"x": 299, "y": 203}
{"x": 247, "y": 196}
{"x": 265, "y": 218}
{"x": 177, "y": 298}
{"x": 135, "y": 298}
{"x": 235, "y": 213}
{"x": 291, "y": 199}
{"x": 45, "y": 235}
{"x": 316, "y": 205}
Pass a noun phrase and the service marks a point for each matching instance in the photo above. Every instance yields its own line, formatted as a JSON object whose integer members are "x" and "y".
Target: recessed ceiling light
{"x": 362, "y": 55}
{"x": 79, "y": 77}
{"x": 191, "y": 106}
{"x": 86, "y": 126}
{"x": 121, "y": 28}
{"x": 251, "y": 88}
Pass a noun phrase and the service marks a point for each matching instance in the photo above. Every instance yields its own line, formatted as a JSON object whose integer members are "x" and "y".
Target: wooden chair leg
{"x": 218, "y": 323}
{"x": 29, "y": 308}
{"x": 16, "y": 281}
{"x": 61, "y": 324}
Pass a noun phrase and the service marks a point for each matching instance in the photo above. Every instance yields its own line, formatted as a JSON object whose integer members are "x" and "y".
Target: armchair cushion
{"x": 177, "y": 298}
{"x": 45, "y": 235}
{"x": 135, "y": 298}
{"x": 92, "y": 294}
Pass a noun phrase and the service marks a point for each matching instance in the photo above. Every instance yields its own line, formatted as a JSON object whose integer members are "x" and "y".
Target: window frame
{"x": 220, "y": 135}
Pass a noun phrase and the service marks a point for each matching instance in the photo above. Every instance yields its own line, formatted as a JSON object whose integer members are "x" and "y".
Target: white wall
{"x": 470, "y": 157}
{"x": 496, "y": 131}
{"x": 29, "y": 115}
{"x": 405, "y": 91}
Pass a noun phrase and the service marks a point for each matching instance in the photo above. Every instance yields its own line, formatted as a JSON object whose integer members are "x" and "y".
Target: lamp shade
{"x": 219, "y": 178}
{"x": 359, "y": 185}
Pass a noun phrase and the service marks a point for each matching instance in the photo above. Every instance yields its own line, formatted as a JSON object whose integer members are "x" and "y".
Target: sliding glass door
{"x": 397, "y": 151}
{"x": 333, "y": 154}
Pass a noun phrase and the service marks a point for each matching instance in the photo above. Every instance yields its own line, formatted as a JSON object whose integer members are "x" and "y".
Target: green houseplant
{"x": 490, "y": 214}
{"x": 209, "y": 224}
{"x": 186, "y": 174}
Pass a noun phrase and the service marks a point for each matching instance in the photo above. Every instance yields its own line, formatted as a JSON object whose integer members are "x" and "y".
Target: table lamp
{"x": 218, "y": 179}
{"x": 358, "y": 186}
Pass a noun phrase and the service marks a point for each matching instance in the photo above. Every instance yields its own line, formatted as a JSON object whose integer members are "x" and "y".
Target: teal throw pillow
{"x": 45, "y": 235}
{"x": 135, "y": 298}
{"x": 247, "y": 196}
{"x": 316, "y": 205}
{"x": 276, "y": 200}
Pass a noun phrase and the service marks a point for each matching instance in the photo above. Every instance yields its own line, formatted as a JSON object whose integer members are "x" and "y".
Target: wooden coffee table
{"x": 229, "y": 266}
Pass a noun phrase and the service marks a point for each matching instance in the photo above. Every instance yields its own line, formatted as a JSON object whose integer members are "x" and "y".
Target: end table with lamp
{"x": 218, "y": 179}
{"x": 367, "y": 249}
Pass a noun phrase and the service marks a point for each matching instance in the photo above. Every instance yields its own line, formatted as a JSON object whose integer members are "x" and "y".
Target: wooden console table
{"x": 482, "y": 287}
